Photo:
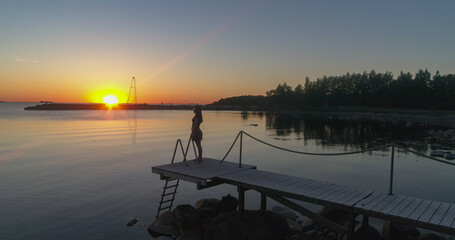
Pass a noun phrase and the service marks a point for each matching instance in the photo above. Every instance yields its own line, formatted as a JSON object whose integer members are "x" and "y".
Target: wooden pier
{"x": 423, "y": 213}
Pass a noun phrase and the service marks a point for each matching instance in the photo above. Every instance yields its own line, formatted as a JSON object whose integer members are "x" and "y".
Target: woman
{"x": 196, "y": 133}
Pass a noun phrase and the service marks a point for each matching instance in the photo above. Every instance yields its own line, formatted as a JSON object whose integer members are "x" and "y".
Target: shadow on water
{"x": 361, "y": 134}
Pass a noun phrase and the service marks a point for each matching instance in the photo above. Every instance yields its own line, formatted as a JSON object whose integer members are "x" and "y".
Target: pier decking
{"x": 428, "y": 214}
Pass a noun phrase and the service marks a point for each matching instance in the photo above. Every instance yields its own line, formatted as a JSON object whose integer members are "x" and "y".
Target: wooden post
{"x": 365, "y": 221}
{"x": 391, "y": 170}
{"x": 241, "y": 144}
{"x": 351, "y": 225}
{"x": 241, "y": 192}
{"x": 386, "y": 229}
{"x": 263, "y": 202}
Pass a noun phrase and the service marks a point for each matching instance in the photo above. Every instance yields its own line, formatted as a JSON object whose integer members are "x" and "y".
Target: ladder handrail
{"x": 185, "y": 153}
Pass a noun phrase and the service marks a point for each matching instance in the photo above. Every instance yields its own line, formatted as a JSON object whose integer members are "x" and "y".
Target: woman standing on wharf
{"x": 196, "y": 133}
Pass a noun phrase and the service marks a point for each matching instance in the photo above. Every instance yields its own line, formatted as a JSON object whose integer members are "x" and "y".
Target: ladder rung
{"x": 167, "y": 207}
{"x": 167, "y": 200}
{"x": 167, "y": 194}
{"x": 171, "y": 186}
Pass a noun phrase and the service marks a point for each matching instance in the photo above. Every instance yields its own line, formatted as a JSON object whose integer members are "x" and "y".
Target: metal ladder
{"x": 171, "y": 184}
{"x": 168, "y": 195}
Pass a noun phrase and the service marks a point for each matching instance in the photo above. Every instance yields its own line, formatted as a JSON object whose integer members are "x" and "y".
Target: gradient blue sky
{"x": 200, "y": 51}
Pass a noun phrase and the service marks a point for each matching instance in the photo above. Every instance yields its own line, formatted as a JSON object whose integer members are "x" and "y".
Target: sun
{"x": 110, "y": 99}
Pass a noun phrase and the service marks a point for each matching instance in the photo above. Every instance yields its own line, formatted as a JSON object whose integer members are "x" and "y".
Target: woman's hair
{"x": 198, "y": 112}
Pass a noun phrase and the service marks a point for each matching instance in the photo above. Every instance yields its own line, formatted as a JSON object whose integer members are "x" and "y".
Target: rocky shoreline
{"x": 215, "y": 219}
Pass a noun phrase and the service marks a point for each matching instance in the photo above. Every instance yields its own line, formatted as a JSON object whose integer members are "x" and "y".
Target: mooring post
{"x": 351, "y": 225}
{"x": 391, "y": 170}
{"x": 263, "y": 202}
{"x": 241, "y": 143}
{"x": 241, "y": 192}
{"x": 386, "y": 229}
{"x": 365, "y": 221}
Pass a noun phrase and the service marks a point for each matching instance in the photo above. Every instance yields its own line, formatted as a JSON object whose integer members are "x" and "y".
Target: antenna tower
{"x": 133, "y": 85}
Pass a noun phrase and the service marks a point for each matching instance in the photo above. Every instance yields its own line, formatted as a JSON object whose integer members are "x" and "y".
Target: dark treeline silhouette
{"x": 242, "y": 101}
{"x": 419, "y": 91}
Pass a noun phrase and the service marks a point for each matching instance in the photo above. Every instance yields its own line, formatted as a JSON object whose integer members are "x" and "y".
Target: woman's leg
{"x": 199, "y": 149}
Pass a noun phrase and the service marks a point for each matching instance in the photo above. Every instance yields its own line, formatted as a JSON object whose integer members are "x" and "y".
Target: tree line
{"x": 367, "y": 89}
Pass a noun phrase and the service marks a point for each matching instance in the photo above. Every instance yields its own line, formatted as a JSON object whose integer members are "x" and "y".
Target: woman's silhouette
{"x": 196, "y": 133}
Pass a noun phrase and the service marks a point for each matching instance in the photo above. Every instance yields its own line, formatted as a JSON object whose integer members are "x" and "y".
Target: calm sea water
{"x": 83, "y": 174}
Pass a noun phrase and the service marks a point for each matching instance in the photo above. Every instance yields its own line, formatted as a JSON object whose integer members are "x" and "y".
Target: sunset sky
{"x": 201, "y": 51}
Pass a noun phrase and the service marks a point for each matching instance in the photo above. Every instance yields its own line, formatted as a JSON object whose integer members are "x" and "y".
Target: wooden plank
{"x": 297, "y": 185}
{"x": 342, "y": 197}
{"x": 375, "y": 202}
{"x": 247, "y": 176}
{"x": 287, "y": 183}
{"x": 449, "y": 217}
{"x": 256, "y": 179}
{"x": 334, "y": 194}
{"x": 383, "y": 203}
{"x": 267, "y": 181}
{"x": 353, "y": 197}
{"x": 339, "y": 190}
{"x": 400, "y": 207}
{"x": 310, "y": 188}
{"x": 426, "y": 216}
{"x": 322, "y": 189}
{"x": 420, "y": 210}
{"x": 358, "y": 198}
{"x": 392, "y": 204}
{"x": 367, "y": 200}
{"x": 333, "y": 189}
{"x": 439, "y": 214}
{"x": 411, "y": 208}
{"x": 279, "y": 183}
{"x": 207, "y": 169}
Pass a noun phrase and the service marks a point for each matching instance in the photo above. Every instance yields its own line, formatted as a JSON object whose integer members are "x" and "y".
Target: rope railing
{"x": 392, "y": 145}
{"x": 332, "y": 154}
{"x": 320, "y": 154}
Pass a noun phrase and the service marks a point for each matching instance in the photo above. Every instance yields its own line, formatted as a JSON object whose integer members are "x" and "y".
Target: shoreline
{"x": 410, "y": 116}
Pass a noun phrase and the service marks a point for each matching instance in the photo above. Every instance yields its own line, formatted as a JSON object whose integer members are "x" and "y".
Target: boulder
{"x": 294, "y": 227}
{"x": 207, "y": 203}
{"x": 398, "y": 231}
{"x": 191, "y": 235}
{"x": 367, "y": 232}
{"x": 165, "y": 225}
{"x": 207, "y": 209}
{"x": 187, "y": 218}
{"x": 228, "y": 203}
{"x": 164, "y": 238}
{"x": 225, "y": 226}
{"x": 430, "y": 236}
{"x": 255, "y": 225}
{"x": 311, "y": 234}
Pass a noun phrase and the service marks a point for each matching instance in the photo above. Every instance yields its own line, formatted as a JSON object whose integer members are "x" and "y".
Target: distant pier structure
{"x": 133, "y": 85}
